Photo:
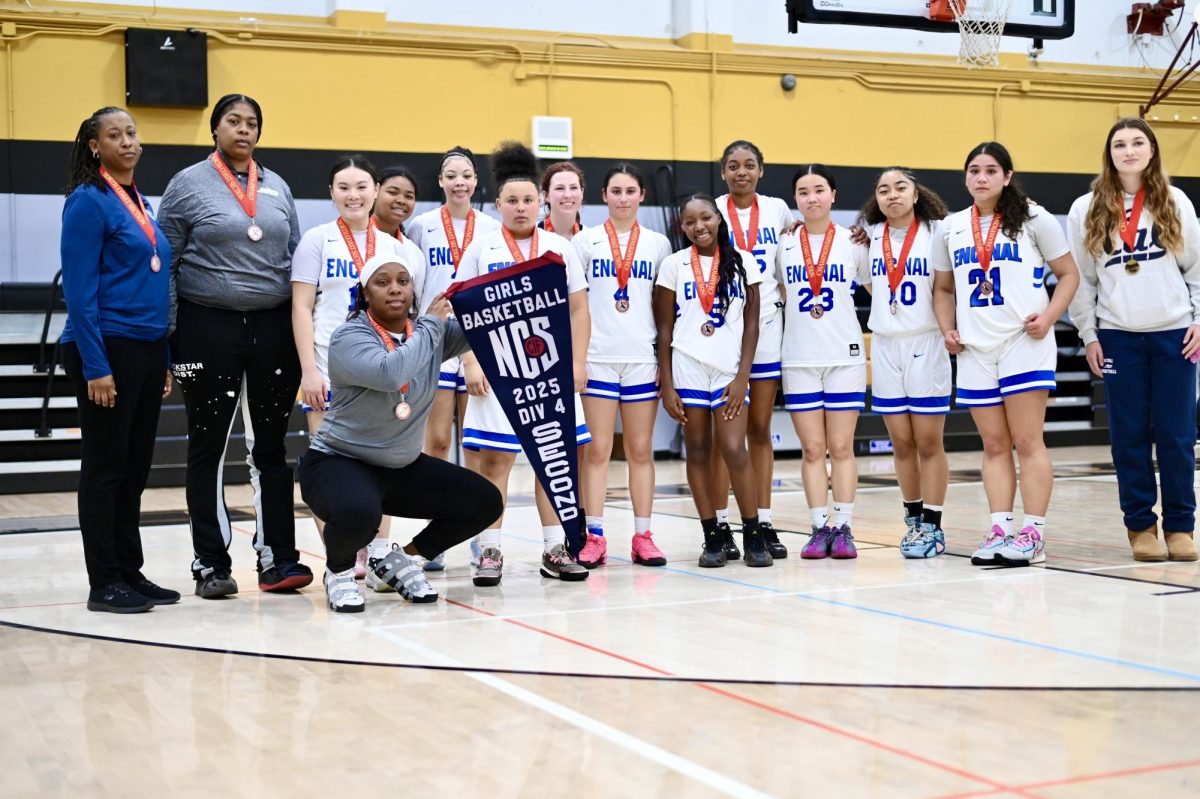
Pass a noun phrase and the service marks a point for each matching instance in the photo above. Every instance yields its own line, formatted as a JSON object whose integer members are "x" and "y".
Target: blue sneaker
{"x": 476, "y": 553}
{"x": 438, "y": 564}
{"x": 926, "y": 541}
{"x": 912, "y": 526}
{"x": 987, "y": 553}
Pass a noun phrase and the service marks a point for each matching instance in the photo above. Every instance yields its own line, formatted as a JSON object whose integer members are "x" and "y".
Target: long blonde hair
{"x": 1108, "y": 199}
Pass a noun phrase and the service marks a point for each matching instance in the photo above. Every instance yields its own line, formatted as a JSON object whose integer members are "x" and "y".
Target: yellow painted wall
{"x": 422, "y": 89}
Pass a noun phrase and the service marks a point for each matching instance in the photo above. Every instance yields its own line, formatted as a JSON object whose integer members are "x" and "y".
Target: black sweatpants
{"x": 351, "y": 497}
{"x": 117, "y": 448}
{"x": 218, "y": 352}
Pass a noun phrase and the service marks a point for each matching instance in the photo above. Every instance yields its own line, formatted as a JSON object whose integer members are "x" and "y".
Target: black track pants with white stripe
{"x": 221, "y": 358}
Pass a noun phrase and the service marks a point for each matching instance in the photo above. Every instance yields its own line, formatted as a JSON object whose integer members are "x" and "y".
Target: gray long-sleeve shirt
{"x": 214, "y": 262}
{"x": 366, "y": 380}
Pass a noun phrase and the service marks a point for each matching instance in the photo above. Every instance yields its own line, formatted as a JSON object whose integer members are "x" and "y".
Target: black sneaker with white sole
{"x": 118, "y": 598}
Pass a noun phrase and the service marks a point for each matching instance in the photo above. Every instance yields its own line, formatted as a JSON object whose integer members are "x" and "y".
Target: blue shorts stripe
{"x": 643, "y": 388}
{"x": 930, "y": 402}
{"x": 1040, "y": 376}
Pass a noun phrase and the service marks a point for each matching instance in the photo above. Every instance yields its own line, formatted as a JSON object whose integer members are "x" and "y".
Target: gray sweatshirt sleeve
{"x": 1189, "y": 259}
{"x": 172, "y": 218}
{"x": 1083, "y": 305}
{"x": 358, "y": 358}
{"x": 455, "y": 341}
{"x": 294, "y": 238}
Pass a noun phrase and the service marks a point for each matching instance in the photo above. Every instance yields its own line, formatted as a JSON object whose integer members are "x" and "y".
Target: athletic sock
{"x": 842, "y": 511}
{"x": 490, "y": 538}
{"x": 708, "y": 525}
{"x": 1036, "y": 522}
{"x": 595, "y": 525}
{"x": 818, "y": 516}
{"x": 641, "y": 524}
{"x": 552, "y": 535}
{"x": 749, "y": 524}
{"x": 932, "y": 514}
{"x": 764, "y": 515}
{"x": 913, "y": 508}
{"x": 1003, "y": 520}
{"x": 723, "y": 516}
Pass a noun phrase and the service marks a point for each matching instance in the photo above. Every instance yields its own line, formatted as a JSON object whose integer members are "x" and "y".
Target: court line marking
{"x": 638, "y": 746}
{"x": 871, "y": 742}
{"x": 208, "y": 650}
{"x": 1107, "y": 775}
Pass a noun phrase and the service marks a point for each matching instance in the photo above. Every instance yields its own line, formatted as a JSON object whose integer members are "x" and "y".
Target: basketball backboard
{"x": 1029, "y": 19}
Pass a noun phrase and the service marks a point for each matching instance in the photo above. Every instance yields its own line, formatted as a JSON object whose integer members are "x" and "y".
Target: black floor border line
{"x": 652, "y": 678}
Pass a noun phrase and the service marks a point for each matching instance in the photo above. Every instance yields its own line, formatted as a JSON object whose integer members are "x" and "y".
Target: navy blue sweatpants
{"x": 1151, "y": 391}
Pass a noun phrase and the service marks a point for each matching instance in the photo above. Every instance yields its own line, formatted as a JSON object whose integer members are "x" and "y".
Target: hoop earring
{"x": 95, "y": 155}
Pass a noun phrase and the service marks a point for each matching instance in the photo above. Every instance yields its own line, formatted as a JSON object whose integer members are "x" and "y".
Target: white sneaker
{"x": 1024, "y": 548}
{"x": 341, "y": 591}
{"x": 990, "y": 548}
{"x": 406, "y": 574}
{"x": 438, "y": 564}
{"x": 376, "y": 553}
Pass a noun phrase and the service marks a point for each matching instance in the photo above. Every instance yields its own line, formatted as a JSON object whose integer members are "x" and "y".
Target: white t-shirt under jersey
{"x": 836, "y": 338}
{"x": 428, "y": 233}
{"x": 774, "y": 217}
{"x": 620, "y": 337}
{"x": 322, "y": 259}
{"x": 1163, "y": 295}
{"x": 915, "y": 295}
{"x": 723, "y": 349}
{"x": 1018, "y": 274}
{"x": 490, "y": 253}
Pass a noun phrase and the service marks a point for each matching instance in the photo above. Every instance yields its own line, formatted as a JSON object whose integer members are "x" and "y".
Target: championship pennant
{"x": 518, "y": 323}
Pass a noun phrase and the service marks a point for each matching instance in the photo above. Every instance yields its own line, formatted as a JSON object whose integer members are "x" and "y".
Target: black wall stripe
{"x": 39, "y": 167}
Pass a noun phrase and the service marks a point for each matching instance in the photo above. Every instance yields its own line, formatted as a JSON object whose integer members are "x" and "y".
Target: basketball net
{"x": 981, "y": 24}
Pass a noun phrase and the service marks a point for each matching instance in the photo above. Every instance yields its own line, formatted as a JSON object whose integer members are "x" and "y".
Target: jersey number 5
{"x": 978, "y": 298}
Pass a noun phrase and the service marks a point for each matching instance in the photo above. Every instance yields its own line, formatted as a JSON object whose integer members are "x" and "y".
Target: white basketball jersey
{"x": 991, "y": 308}
{"x": 337, "y": 279}
{"x": 835, "y": 338}
{"x": 723, "y": 349}
{"x": 430, "y": 236}
{"x": 490, "y": 253}
{"x": 621, "y": 337}
{"x": 914, "y": 298}
{"x": 774, "y": 217}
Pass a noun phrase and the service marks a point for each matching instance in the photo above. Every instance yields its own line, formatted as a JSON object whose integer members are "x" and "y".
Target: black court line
{"x": 651, "y": 678}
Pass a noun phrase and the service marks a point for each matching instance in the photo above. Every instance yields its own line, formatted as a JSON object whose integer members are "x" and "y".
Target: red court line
{"x": 996, "y": 787}
{"x": 47, "y": 605}
{"x": 1107, "y": 775}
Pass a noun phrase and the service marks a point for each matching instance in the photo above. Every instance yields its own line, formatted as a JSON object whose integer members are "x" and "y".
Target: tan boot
{"x": 1146, "y": 546}
{"x": 1181, "y": 546}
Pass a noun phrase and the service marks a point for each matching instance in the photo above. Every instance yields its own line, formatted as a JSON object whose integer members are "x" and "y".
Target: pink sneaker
{"x": 646, "y": 552}
{"x": 594, "y": 552}
{"x": 360, "y": 564}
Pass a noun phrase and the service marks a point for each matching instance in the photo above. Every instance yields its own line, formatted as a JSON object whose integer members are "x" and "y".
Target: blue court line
{"x": 1059, "y": 650}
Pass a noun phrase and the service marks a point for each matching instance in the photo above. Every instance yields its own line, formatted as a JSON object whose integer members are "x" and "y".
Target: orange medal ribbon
{"x": 624, "y": 263}
{"x": 138, "y": 212}
{"x": 1129, "y": 229}
{"x": 816, "y": 272}
{"x": 456, "y": 252}
{"x": 895, "y": 270}
{"x": 388, "y": 342}
{"x": 984, "y": 249}
{"x": 744, "y": 241}
{"x": 248, "y": 199}
{"x": 548, "y": 226}
{"x": 355, "y": 255}
{"x": 515, "y": 250}
{"x": 398, "y": 235}
{"x": 706, "y": 289}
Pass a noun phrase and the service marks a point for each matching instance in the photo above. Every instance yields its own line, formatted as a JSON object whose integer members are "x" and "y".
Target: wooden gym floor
{"x": 876, "y": 677}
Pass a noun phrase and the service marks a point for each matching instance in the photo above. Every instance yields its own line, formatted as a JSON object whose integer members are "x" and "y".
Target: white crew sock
{"x": 641, "y": 524}
{"x": 818, "y": 516}
{"x": 490, "y": 538}
{"x": 595, "y": 524}
{"x": 1004, "y": 520}
{"x": 552, "y": 535}
{"x": 842, "y": 511}
{"x": 723, "y": 516}
{"x": 1036, "y": 522}
{"x": 764, "y": 515}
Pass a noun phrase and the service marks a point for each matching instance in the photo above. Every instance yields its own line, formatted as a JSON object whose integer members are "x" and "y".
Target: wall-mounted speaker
{"x": 166, "y": 68}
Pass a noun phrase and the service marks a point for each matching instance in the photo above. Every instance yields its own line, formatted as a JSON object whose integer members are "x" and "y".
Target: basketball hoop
{"x": 981, "y": 23}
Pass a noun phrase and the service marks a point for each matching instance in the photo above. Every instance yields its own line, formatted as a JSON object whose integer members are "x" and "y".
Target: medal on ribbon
{"x": 984, "y": 249}
{"x": 706, "y": 290}
{"x": 248, "y": 199}
{"x": 456, "y": 252}
{"x": 622, "y": 262}
{"x": 816, "y": 272}
{"x": 138, "y": 212}
{"x": 403, "y": 409}
{"x": 1129, "y": 230}
{"x": 895, "y": 271}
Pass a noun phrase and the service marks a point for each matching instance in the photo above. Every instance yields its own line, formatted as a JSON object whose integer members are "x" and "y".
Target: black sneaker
{"x": 118, "y": 598}
{"x": 774, "y": 545}
{"x": 217, "y": 584}
{"x": 756, "y": 549}
{"x": 284, "y": 577}
{"x": 731, "y": 550}
{"x": 155, "y": 593}
{"x": 713, "y": 555}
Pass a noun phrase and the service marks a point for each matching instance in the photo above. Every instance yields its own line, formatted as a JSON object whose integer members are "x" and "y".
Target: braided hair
{"x": 84, "y": 168}
{"x": 731, "y": 269}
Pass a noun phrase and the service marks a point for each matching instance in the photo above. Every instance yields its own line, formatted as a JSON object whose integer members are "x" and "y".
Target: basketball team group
{"x": 218, "y": 290}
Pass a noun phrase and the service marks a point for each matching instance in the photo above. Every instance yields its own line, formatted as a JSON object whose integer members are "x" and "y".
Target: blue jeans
{"x": 1151, "y": 392}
